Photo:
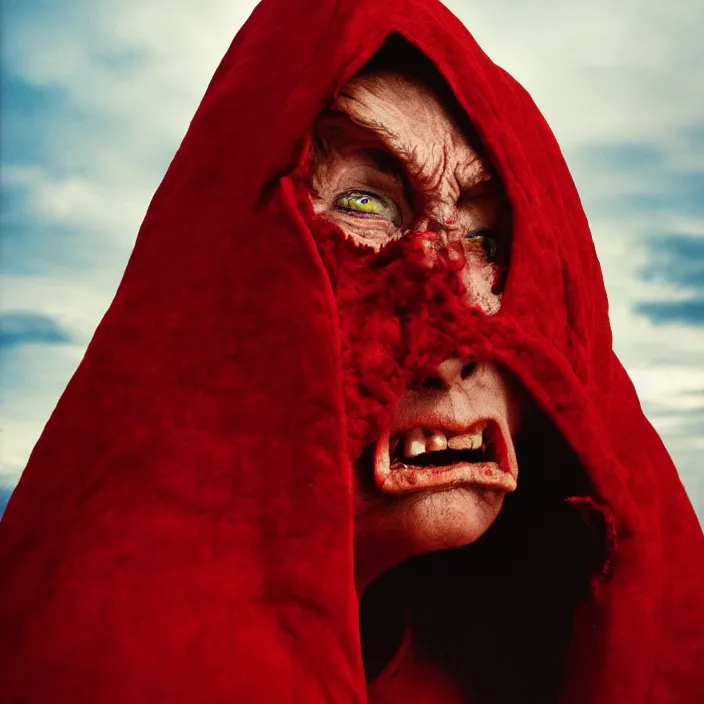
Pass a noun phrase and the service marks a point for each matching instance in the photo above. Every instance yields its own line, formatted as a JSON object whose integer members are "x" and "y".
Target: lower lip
{"x": 403, "y": 479}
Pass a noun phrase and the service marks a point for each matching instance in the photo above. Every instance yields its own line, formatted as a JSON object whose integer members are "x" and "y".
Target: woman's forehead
{"x": 406, "y": 116}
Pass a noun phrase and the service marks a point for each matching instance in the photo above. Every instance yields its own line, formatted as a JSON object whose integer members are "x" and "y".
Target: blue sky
{"x": 97, "y": 96}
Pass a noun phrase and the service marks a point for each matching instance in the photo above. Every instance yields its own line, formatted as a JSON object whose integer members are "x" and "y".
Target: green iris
{"x": 362, "y": 203}
{"x": 488, "y": 240}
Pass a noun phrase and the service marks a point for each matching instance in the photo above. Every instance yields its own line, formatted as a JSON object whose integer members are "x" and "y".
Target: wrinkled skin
{"x": 394, "y": 161}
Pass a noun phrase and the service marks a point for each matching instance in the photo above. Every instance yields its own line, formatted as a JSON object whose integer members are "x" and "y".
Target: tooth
{"x": 437, "y": 441}
{"x": 414, "y": 443}
{"x": 465, "y": 442}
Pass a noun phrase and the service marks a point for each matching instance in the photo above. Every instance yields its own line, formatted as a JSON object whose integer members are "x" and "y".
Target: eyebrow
{"x": 390, "y": 165}
{"x": 386, "y": 162}
{"x": 480, "y": 186}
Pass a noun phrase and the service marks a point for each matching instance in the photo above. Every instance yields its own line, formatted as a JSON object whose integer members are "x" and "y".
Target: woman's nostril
{"x": 467, "y": 369}
{"x": 432, "y": 382}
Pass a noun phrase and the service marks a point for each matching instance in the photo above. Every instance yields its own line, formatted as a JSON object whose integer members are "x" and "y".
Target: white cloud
{"x": 78, "y": 202}
{"x": 599, "y": 69}
{"x": 131, "y": 75}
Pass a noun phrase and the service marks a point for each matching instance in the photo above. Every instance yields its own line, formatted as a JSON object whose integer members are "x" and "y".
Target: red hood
{"x": 183, "y": 531}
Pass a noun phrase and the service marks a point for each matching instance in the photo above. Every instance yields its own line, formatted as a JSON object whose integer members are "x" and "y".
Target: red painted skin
{"x": 403, "y": 120}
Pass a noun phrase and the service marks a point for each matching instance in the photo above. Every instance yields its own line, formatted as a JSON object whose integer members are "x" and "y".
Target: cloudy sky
{"x": 97, "y": 96}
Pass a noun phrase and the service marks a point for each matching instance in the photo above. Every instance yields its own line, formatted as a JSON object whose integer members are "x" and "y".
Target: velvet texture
{"x": 184, "y": 532}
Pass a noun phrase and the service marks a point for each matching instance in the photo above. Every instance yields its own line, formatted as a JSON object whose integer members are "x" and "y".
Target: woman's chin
{"x": 452, "y": 518}
{"x": 413, "y": 524}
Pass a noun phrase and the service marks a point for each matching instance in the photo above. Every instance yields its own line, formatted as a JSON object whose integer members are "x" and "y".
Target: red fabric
{"x": 183, "y": 531}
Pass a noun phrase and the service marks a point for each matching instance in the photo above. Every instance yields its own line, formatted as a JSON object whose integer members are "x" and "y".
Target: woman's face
{"x": 393, "y": 161}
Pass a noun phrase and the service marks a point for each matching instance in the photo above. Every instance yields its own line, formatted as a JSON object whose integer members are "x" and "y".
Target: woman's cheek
{"x": 370, "y": 234}
{"x": 480, "y": 279}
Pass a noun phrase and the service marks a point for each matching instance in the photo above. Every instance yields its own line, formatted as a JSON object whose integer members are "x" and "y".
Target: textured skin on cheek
{"x": 482, "y": 280}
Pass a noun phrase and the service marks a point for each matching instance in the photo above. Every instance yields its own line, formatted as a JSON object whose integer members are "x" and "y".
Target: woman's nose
{"x": 449, "y": 373}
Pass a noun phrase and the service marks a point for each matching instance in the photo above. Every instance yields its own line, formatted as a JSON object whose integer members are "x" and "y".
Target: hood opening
{"x": 516, "y": 589}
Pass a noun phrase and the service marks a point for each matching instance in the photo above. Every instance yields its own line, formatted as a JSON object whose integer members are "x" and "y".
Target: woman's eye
{"x": 369, "y": 204}
{"x": 487, "y": 239}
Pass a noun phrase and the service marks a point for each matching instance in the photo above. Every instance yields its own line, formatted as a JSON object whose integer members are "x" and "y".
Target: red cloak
{"x": 183, "y": 531}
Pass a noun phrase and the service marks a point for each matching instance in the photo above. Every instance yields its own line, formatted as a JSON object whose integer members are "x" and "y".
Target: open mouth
{"x": 420, "y": 458}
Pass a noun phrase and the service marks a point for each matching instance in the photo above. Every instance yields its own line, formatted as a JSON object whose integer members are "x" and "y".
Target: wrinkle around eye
{"x": 374, "y": 232}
